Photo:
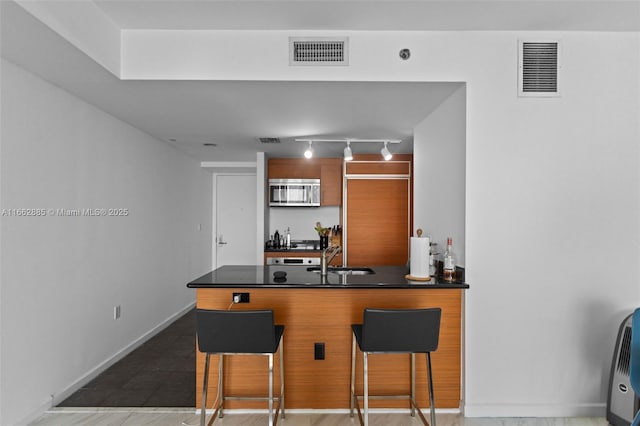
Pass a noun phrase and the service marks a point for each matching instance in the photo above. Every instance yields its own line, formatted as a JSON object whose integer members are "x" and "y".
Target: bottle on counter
{"x": 276, "y": 239}
{"x": 433, "y": 257}
{"x": 287, "y": 243}
{"x": 449, "y": 262}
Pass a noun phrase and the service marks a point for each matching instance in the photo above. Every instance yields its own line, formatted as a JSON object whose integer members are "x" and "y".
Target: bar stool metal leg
{"x": 270, "y": 389}
{"x": 365, "y": 361}
{"x": 281, "y": 355}
{"x": 431, "y": 399}
{"x": 221, "y": 384}
{"x": 353, "y": 376}
{"x": 203, "y": 412}
{"x": 413, "y": 384}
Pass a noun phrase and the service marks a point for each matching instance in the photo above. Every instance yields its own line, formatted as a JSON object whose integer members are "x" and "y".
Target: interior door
{"x": 235, "y": 221}
{"x": 377, "y": 228}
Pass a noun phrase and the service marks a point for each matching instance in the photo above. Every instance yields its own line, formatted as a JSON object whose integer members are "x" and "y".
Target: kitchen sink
{"x": 344, "y": 270}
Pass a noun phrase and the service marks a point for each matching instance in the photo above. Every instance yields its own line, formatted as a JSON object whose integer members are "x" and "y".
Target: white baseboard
{"x": 329, "y": 410}
{"x": 96, "y": 371}
{"x": 535, "y": 410}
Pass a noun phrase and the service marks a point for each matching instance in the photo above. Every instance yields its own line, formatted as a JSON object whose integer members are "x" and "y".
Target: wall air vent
{"x": 318, "y": 51}
{"x": 538, "y": 66}
{"x": 269, "y": 140}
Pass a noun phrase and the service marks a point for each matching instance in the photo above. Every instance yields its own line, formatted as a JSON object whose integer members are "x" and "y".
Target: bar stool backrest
{"x": 236, "y": 331}
{"x": 401, "y": 330}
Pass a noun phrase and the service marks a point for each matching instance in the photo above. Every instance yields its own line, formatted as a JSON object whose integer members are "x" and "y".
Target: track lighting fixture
{"x": 309, "y": 152}
{"x": 348, "y": 155}
{"x": 386, "y": 154}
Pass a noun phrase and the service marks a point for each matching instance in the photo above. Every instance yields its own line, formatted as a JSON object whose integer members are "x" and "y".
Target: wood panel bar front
{"x": 313, "y": 315}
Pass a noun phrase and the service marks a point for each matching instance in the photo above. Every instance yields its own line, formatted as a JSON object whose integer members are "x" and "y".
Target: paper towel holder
{"x": 411, "y": 277}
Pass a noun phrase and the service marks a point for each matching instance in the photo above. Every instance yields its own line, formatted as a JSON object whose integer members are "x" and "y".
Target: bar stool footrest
{"x": 414, "y": 405}
{"x": 219, "y": 406}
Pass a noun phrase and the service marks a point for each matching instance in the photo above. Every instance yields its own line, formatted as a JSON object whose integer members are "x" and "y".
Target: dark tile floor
{"x": 160, "y": 373}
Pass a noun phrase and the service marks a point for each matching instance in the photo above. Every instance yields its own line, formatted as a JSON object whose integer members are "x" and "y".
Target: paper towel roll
{"x": 419, "y": 262}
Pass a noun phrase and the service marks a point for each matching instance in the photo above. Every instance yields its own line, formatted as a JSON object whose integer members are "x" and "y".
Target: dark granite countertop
{"x": 299, "y": 277}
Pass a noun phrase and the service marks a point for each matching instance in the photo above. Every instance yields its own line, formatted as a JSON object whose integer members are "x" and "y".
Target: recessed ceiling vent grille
{"x": 538, "y": 66}
{"x": 318, "y": 51}
{"x": 269, "y": 140}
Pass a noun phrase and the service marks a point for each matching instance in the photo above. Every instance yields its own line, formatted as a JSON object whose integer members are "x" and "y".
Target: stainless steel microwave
{"x": 294, "y": 192}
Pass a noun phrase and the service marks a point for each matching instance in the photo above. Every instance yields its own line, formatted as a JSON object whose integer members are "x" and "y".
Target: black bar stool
{"x": 239, "y": 333}
{"x": 395, "y": 331}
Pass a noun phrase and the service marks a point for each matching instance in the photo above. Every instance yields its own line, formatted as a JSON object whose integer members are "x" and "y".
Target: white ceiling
{"x": 232, "y": 114}
{"x": 400, "y": 15}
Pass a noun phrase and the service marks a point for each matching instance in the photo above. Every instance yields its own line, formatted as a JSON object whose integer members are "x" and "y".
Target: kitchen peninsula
{"x": 317, "y": 309}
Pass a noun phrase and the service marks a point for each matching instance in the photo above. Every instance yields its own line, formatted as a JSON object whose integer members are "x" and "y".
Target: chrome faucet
{"x": 326, "y": 257}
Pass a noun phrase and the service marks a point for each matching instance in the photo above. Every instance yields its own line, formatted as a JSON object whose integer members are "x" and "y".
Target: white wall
{"x": 62, "y": 276}
{"x": 439, "y": 157}
{"x": 552, "y": 227}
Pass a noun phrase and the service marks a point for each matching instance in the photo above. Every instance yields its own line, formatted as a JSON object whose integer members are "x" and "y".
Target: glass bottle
{"x": 449, "y": 262}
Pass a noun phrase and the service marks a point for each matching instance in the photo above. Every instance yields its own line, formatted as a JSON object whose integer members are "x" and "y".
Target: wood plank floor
{"x": 176, "y": 417}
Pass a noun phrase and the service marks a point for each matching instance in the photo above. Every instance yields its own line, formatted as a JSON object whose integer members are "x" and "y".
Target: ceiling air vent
{"x": 538, "y": 65}
{"x": 318, "y": 51}
{"x": 269, "y": 140}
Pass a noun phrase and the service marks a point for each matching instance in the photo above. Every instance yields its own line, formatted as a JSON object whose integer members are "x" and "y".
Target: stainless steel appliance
{"x": 294, "y": 192}
{"x": 295, "y": 261}
{"x": 622, "y": 402}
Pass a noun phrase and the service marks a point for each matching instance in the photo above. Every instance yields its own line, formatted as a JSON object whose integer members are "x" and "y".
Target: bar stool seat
{"x": 239, "y": 333}
{"x": 385, "y": 331}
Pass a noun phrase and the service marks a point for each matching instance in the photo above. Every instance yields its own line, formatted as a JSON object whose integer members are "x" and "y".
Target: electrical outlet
{"x": 240, "y": 298}
{"x": 116, "y": 312}
{"x": 318, "y": 351}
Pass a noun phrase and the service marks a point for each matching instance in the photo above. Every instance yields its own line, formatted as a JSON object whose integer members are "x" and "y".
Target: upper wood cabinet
{"x": 331, "y": 182}
{"x": 328, "y": 170}
{"x": 378, "y": 210}
{"x": 293, "y": 168}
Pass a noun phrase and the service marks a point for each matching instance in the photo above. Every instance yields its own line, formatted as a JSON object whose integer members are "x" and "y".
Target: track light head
{"x": 309, "y": 152}
{"x": 348, "y": 155}
{"x": 386, "y": 154}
